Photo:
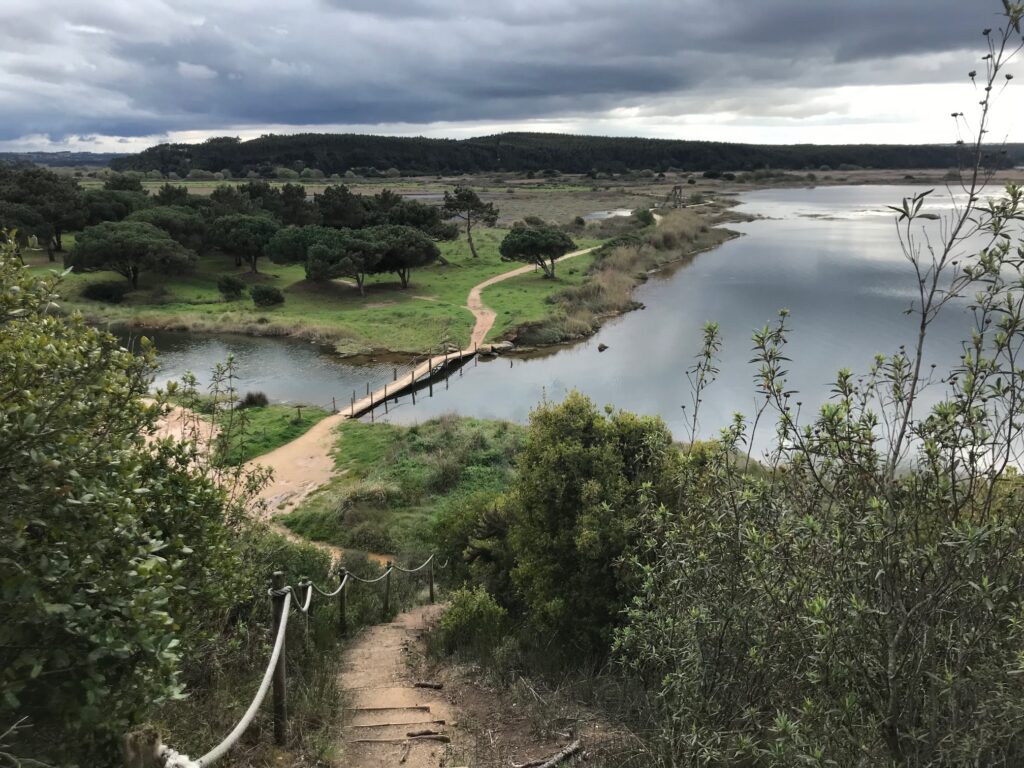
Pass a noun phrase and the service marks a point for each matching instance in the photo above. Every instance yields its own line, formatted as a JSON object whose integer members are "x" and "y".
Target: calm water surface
{"x": 829, "y": 255}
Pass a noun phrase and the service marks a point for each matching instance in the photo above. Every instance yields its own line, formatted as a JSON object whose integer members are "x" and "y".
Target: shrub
{"x": 266, "y": 295}
{"x": 645, "y": 216}
{"x": 254, "y": 400}
{"x": 474, "y": 623}
{"x": 112, "y": 292}
{"x": 230, "y": 287}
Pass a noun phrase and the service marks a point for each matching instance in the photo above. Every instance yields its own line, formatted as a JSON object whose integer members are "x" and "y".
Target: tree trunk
{"x": 133, "y": 276}
{"x": 360, "y": 279}
{"x": 469, "y": 237}
{"x": 403, "y": 275}
{"x": 552, "y": 267}
{"x": 238, "y": 259}
{"x": 548, "y": 273}
{"x": 58, "y": 240}
{"x": 252, "y": 265}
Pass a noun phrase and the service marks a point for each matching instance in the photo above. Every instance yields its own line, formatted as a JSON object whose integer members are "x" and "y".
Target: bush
{"x": 112, "y": 292}
{"x": 645, "y": 216}
{"x": 266, "y": 295}
{"x": 254, "y": 400}
{"x": 230, "y": 287}
{"x": 473, "y": 624}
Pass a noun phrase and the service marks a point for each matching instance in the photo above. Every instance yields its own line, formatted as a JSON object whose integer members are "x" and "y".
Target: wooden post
{"x": 387, "y": 594}
{"x": 334, "y": 405}
{"x": 280, "y": 681}
{"x": 367, "y": 388}
{"x": 430, "y": 575}
{"x": 298, "y": 413}
{"x": 353, "y": 413}
{"x": 343, "y": 604}
{"x": 430, "y": 384}
{"x": 395, "y": 374}
{"x": 142, "y": 749}
{"x": 414, "y": 397}
{"x": 305, "y": 586}
{"x": 385, "y": 398}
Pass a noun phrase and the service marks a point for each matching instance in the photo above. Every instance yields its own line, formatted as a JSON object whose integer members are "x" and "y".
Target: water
{"x": 602, "y": 215}
{"x": 829, "y": 255}
{"x": 285, "y": 370}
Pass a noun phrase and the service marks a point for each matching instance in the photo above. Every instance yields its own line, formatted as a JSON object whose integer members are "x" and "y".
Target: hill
{"x": 520, "y": 152}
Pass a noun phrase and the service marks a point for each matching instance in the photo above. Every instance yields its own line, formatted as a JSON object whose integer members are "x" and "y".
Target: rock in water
{"x": 602, "y": 347}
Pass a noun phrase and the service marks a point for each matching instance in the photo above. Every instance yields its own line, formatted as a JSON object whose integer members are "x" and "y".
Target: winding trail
{"x": 307, "y": 463}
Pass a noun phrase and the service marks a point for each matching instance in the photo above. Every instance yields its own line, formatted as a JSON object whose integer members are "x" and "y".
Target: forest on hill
{"x": 524, "y": 152}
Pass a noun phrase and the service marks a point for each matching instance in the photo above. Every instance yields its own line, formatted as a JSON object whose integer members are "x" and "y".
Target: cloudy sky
{"x": 120, "y": 75}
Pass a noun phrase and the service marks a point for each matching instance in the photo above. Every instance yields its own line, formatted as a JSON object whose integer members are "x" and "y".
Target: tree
{"x": 537, "y": 245}
{"x": 99, "y": 205}
{"x": 426, "y": 218}
{"x": 401, "y": 249}
{"x": 244, "y": 236}
{"x": 171, "y": 194}
{"x": 184, "y": 225}
{"x": 343, "y": 253}
{"x": 56, "y": 199}
{"x": 123, "y": 182}
{"x": 112, "y": 549}
{"x": 295, "y": 208}
{"x": 580, "y": 474}
{"x": 341, "y": 208}
{"x": 465, "y": 204}
{"x": 128, "y": 248}
{"x": 22, "y": 223}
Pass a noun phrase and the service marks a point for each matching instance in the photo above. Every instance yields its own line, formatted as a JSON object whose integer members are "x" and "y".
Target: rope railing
{"x": 285, "y": 598}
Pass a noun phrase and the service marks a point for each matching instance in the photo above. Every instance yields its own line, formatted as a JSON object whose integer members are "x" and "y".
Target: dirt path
{"x": 484, "y": 315}
{"x": 488, "y": 727}
{"x": 383, "y": 706}
{"x": 306, "y": 463}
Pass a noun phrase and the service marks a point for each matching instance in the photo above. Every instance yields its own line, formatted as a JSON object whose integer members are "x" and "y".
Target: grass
{"x": 421, "y": 319}
{"x": 391, "y": 481}
{"x": 270, "y": 427}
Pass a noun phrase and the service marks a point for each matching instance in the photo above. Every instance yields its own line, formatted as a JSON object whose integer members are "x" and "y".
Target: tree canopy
{"x": 536, "y": 245}
{"x": 401, "y": 249}
{"x": 128, "y": 248}
{"x": 183, "y": 224}
{"x": 244, "y": 236}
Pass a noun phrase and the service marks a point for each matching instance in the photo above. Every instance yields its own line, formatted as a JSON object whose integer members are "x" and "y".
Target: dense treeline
{"x": 518, "y": 152}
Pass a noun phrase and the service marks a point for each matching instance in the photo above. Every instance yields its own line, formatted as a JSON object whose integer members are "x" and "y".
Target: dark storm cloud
{"x": 121, "y": 68}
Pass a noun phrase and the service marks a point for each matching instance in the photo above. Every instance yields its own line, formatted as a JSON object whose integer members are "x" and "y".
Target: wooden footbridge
{"x": 423, "y": 375}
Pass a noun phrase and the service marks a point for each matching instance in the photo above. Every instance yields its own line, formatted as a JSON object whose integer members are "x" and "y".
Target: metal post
{"x": 343, "y": 604}
{"x": 280, "y": 681}
{"x": 387, "y": 593}
{"x": 430, "y": 575}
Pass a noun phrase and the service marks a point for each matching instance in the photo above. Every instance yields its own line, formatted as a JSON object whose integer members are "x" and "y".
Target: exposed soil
{"x": 486, "y": 727}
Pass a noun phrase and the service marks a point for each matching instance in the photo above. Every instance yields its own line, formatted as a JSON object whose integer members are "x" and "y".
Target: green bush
{"x": 230, "y": 287}
{"x": 266, "y": 295}
{"x": 474, "y": 623}
{"x": 254, "y": 400}
{"x": 111, "y": 292}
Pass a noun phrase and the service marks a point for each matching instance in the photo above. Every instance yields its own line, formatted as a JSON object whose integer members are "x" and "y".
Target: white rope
{"x": 373, "y": 581}
{"x": 217, "y": 752}
{"x": 173, "y": 759}
{"x": 308, "y": 586}
{"x": 336, "y": 592}
{"x": 414, "y": 570}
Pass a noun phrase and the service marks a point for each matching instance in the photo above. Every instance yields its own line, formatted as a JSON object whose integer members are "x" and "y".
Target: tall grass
{"x": 620, "y": 266}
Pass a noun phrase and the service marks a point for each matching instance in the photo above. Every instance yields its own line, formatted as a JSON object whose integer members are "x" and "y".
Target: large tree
{"x": 340, "y": 207}
{"x": 465, "y": 204}
{"x": 401, "y": 250}
{"x": 20, "y": 223}
{"x": 244, "y": 236}
{"x": 327, "y": 253}
{"x": 128, "y": 248}
{"x": 99, "y": 205}
{"x": 55, "y": 198}
{"x": 184, "y": 225}
{"x": 537, "y": 245}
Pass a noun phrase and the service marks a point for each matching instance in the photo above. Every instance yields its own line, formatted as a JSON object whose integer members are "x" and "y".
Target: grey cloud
{"x": 128, "y": 68}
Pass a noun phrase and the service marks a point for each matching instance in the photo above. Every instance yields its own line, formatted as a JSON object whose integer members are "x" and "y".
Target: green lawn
{"x": 391, "y": 481}
{"x": 420, "y": 319}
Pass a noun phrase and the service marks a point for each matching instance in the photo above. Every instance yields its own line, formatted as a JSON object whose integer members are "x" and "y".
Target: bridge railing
{"x": 146, "y": 750}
